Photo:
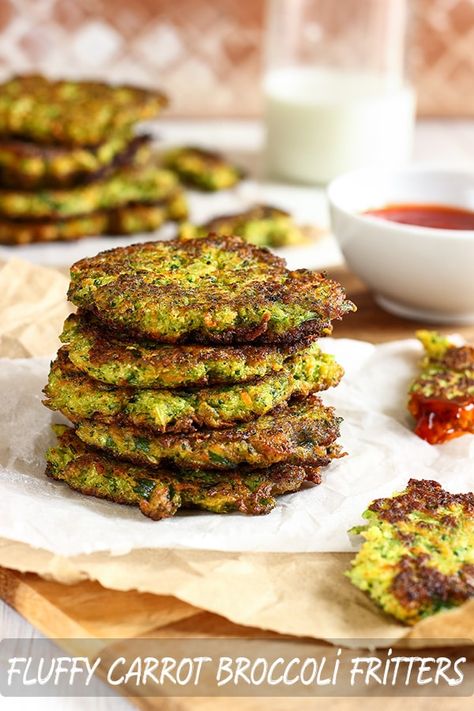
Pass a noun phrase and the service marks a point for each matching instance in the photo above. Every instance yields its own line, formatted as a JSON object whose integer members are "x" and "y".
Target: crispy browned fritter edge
{"x": 334, "y": 307}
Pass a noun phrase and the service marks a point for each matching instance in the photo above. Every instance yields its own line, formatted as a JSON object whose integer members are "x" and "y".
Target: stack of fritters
{"x": 190, "y": 374}
{"x": 71, "y": 164}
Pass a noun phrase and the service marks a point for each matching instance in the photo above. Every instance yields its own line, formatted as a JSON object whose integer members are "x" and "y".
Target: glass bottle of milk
{"x": 336, "y": 94}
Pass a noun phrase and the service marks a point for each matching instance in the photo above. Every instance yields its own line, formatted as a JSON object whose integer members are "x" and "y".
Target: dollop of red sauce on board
{"x": 441, "y": 420}
{"x": 441, "y": 217}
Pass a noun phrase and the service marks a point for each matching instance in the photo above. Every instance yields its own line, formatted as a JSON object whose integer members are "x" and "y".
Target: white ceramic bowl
{"x": 415, "y": 272}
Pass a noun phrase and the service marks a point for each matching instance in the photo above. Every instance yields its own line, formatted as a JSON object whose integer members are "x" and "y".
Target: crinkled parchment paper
{"x": 32, "y": 309}
{"x": 295, "y": 588}
{"x": 383, "y": 454}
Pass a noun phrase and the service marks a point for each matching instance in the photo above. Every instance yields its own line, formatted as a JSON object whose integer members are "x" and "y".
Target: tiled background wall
{"x": 206, "y": 53}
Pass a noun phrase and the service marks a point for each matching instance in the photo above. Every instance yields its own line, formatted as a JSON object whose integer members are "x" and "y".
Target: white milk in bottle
{"x": 335, "y": 86}
{"x": 323, "y": 122}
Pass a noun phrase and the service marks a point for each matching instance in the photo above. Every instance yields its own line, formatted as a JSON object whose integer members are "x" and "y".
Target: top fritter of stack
{"x": 218, "y": 290}
{"x": 70, "y": 113}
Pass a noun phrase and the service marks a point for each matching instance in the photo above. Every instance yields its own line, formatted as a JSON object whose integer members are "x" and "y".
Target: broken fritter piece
{"x": 442, "y": 396}
{"x": 202, "y": 169}
{"x": 418, "y": 555}
{"x": 160, "y": 493}
{"x": 262, "y": 225}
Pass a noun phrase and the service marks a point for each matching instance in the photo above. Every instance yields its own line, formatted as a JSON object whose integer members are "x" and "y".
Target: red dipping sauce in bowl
{"x": 408, "y": 233}
{"x": 441, "y": 217}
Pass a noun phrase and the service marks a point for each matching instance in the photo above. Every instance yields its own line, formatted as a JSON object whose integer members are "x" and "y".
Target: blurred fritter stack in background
{"x": 190, "y": 374}
{"x": 72, "y": 164}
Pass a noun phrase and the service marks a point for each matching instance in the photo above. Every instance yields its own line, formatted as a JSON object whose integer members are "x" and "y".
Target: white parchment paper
{"x": 376, "y": 432}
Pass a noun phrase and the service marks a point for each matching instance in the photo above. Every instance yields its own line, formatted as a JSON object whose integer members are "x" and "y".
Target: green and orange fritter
{"x": 262, "y": 225}
{"x": 126, "y": 220}
{"x": 218, "y": 290}
{"x": 122, "y": 361}
{"x": 302, "y": 433}
{"x": 79, "y": 397}
{"x": 441, "y": 398}
{"x": 202, "y": 169}
{"x": 160, "y": 493}
{"x": 29, "y": 166}
{"x": 225, "y": 421}
{"x": 135, "y": 184}
{"x": 418, "y": 552}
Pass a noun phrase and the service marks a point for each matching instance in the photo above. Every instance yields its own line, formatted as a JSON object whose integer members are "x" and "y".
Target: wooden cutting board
{"x": 87, "y": 610}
